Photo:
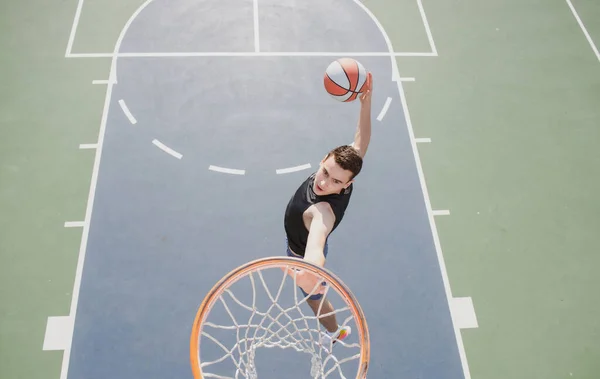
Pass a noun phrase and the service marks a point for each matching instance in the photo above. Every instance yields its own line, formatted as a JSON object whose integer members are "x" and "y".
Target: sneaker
{"x": 329, "y": 339}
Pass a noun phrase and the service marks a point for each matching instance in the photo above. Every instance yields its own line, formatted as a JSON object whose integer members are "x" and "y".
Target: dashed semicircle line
{"x": 167, "y": 149}
{"x": 384, "y": 109}
{"x": 225, "y": 170}
{"x": 127, "y": 112}
{"x": 292, "y": 169}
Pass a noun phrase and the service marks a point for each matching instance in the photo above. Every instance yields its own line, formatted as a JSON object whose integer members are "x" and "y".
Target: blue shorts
{"x": 292, "y": 254}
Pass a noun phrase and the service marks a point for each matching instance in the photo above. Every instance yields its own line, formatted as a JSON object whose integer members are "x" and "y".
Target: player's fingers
{"x": 322, "y": 288}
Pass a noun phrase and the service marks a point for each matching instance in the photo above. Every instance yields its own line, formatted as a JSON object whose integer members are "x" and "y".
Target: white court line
{"x": 256, "y": 30}
{"x": 427, "y": 29}
{"x": 407, "y": 79}
{"x": 100, "y": 81}
{"x": 464, "y": 313}
{"x": 167, "y": 149}
{"x": 94, "y": 180}
{"x": 127, "y": 112}
{"x": 74, "y": 28}
{"x": 227, "y": 170}
{"x": 64, "y": 370}
{"x": 74, "y": 224}
{"x": 436, "y": 238}
{"x": 585, "y": 32}
{"x": 384, "y": 109}
{"x": 59, "y": 331}
{"x": 250, "y": 54}
{"x": 422, "y": 140}
{"x": 84, "y": 146}
{"x": 441, "y": 212}
{"x": 292, "y": 169}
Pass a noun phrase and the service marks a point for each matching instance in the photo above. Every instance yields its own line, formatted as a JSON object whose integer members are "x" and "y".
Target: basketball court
{"x": 213, "y": 113}
{"x": 201, "y": 149}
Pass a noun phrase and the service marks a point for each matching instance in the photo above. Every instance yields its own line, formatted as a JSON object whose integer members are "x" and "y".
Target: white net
{"x": 266, "y": 310}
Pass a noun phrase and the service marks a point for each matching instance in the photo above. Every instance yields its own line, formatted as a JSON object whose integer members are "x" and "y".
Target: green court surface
{"x": 510, "y": 101}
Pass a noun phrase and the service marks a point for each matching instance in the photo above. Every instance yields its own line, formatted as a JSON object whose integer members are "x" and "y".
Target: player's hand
{"x": 365, "y": 97}
{"x": 307, "y": 281}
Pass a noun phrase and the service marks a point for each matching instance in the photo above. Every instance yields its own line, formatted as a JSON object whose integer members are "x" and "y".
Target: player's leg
{"x": 329, "y": 322}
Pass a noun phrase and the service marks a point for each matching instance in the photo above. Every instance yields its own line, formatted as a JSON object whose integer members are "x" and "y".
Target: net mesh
{"x": 271, "y": 323}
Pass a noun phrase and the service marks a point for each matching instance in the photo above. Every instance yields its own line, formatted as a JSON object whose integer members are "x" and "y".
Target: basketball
{"x": 345, "y": 79}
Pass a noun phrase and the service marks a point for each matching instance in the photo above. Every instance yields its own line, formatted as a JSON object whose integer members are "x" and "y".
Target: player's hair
{"x": 347, "y": 157}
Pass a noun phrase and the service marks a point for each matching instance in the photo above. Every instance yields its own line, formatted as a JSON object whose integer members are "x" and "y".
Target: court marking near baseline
{"x": 583, "y": 29}
{"x": 200, "y": 54}
{"x": 97, "y": 160}
{"x": 427, "y": 28}
{"x": 432, "y": 53}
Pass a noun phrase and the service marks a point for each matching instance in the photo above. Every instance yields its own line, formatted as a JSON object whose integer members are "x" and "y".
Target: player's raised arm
{"x": 363, "y": 131}
{"x": 320, "y": 227}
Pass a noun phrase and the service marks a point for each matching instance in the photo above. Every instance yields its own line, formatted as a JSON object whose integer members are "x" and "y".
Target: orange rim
{"x": 262, "y": 263}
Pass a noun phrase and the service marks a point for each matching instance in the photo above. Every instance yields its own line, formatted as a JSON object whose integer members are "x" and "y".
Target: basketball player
{"x": 317, "y": 208}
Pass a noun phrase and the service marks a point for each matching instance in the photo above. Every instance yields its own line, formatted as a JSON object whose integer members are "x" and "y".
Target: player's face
{"x": 331, "y": 178}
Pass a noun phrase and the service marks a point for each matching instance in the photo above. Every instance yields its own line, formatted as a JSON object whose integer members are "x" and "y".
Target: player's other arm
{"x": 322, "y": 220}
{"x": 362, "y": 137}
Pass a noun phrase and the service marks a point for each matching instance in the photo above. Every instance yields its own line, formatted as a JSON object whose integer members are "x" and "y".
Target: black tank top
{"x": 296, "y": 231}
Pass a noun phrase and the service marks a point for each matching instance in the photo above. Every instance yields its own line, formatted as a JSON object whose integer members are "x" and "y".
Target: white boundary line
{"x": 127, "y": 112}
{"x": 94, "y": 182}
{"x": 407, "y": 79}
{"x": 422, "y": 140}
{"x": 384, "y": 109}
{"x": 427, "y": 29}
{"x": 256, "y": 30}
{"x": 441, "y": 212}
{"x": 292, "y": 169}
{"x": 74, "y": 28}
{"x": 225, "y": 170}
{"x": 436, "y": 239}
{"x": 585, "y": 32}
{"x": 167, "y": 149}
{"x": 112, "y": 76}
{"x": 192, "y": 54}
{"x": 100, "y": 81}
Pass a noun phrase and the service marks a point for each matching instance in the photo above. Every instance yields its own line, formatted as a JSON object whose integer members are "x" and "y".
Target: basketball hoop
{"x": 273, "y": 323}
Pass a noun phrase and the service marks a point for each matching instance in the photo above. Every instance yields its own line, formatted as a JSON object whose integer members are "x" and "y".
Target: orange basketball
{"x": 345, "y": 79}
